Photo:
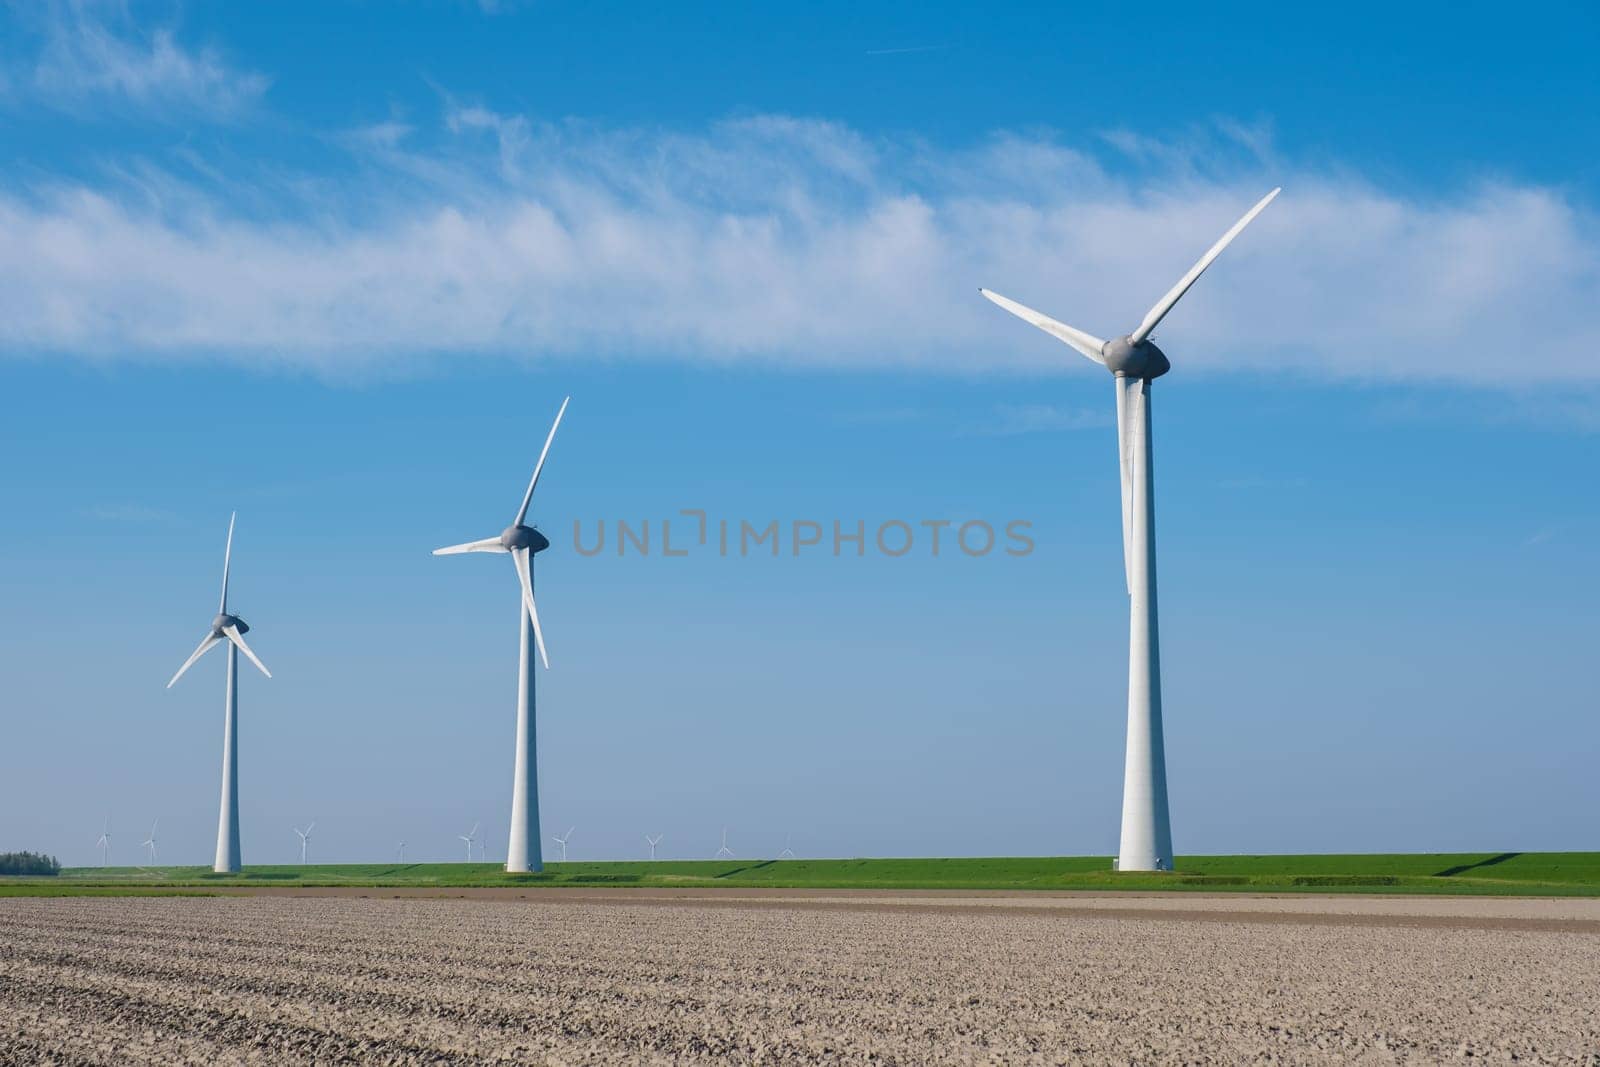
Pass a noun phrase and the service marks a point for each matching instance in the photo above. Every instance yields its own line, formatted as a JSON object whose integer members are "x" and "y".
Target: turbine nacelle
{"x": 519, "y": 536}
{"x": 220, "y": 624}
{"x": 1127, "y": 358}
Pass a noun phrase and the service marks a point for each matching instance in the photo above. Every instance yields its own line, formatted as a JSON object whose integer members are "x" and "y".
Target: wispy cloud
{"x": 95, "y": 55}
{"x": 131, "y": 514}
{"x": 795, "y": 241}
{"x": 1258, "y": 483}
{"x": 1012, "y": 419}
{"x": 886, "y": 416}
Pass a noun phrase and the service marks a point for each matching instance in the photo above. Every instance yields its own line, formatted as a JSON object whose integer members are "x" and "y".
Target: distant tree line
{"x": 28, "y": 863}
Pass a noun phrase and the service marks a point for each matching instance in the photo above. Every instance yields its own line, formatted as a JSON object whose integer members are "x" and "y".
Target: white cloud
{"x": 93, "y": 54}
{"x": 132, "y": 514}
{"x": 779, "y": 239}
{"x": 1013, "y": 419}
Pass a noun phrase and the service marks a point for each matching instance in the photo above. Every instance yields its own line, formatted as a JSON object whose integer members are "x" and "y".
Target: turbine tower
{"x": 150, "y": 842}
{"x": 1135, "y": 362}
{"x": 229, "y": 628}
{"x": 469, "y": 837}
{"x": 522, "y": 543}
{"x": 654, "y": 841}
{"x": 787, "y": 853}
{"x": 724, "y": 851}
{"x": 562, "y": 841}
{"x": 305, "y": 838}
{"x": 104, "y": 843}
{"x": 400, "y": 853}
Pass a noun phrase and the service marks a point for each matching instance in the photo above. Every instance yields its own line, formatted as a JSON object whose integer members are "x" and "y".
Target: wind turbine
{"x": 562, "y": 841}
{"x": 1136, "y": 362}
{"x": 305, "y": 838}
{"x": 787, "y": 853}
{"x": 400, "y": 854}
{"x": 229, "y": 628}
{"x": 104, "y": 843}
{"x": 654, "y": 841}
{"x": 724, "y": 850}
{"x": 469, "y": 837}
{"x": 522, "y": 543}
{"x": 150, "y": 842}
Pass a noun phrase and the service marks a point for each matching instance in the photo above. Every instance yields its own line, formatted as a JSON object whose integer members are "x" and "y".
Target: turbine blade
{"x": 1125, "y": 465}
{"x": 1174, "y": 294}
{"x": 525, "y": 575}
{"x": 1086, "y": 343}
{"x": 238, "y": 639}
{"x": 488, "y": 544}
{"x": 227, "y": 557}
{"x": 205, "y": 646}
{"x": 527, "y": 498}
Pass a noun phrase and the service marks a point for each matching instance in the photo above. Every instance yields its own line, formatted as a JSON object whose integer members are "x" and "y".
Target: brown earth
{"x": 786, "y": 977}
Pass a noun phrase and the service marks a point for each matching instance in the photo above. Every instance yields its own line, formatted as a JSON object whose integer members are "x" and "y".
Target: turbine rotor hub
{"x": 515, "y": 537}
{"x": 1128, "y": 360}
{"x": 224, "y": 620}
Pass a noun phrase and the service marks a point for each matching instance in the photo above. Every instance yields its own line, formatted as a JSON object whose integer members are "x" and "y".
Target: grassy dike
{"x": 1503, "y": 874}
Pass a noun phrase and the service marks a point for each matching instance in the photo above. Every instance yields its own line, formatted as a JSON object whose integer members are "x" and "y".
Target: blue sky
{"x": 336, "y": 265}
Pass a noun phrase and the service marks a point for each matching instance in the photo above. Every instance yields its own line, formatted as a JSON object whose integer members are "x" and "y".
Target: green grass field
{"x": 1505, "y": 874}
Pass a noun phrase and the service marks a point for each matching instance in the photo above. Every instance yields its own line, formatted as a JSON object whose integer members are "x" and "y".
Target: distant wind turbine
{"x": 400, "y": 854}
{"x": 305, "y": 838}
{"x": 229, "y": 628}
{"x": 724, "y": 851}
{"x": 1135, "y": 362}
{"x": 104, "y": 844}
{"x": 562, "y": 841}
{"x": 654, "y": 841}
{"x": 787, "y": 853}
{"x": 522, "y": 543}
{"x": 469, "y": 837}
{"x": 150, "y": 842}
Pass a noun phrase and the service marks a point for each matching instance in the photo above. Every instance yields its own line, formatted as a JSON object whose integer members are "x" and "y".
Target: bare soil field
{"x": 594, "y": 977}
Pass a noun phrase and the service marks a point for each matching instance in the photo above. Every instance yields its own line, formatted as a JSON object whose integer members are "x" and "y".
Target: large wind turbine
{"x": 522, "y": 543}
{"x": 1136, "y": 362}
{"x": 229, "y": 628}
